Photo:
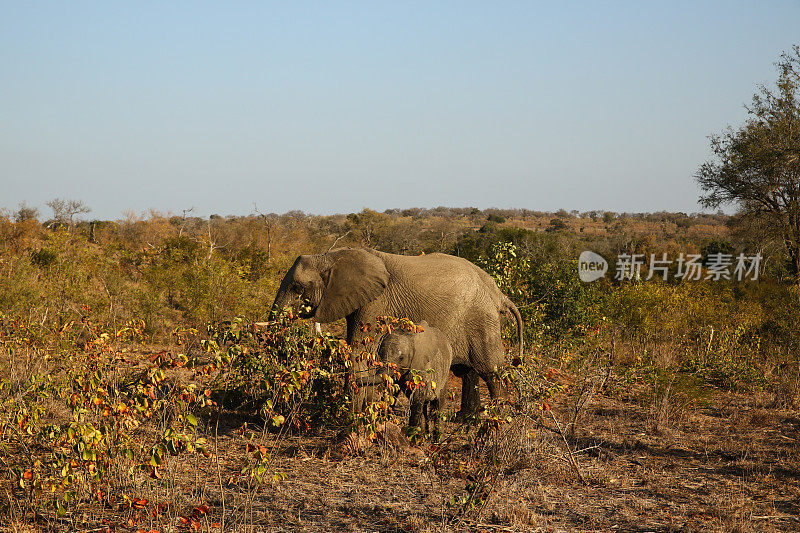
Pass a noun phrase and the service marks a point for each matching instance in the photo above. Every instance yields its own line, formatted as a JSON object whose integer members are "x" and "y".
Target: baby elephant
{"x": 427, "y": 354}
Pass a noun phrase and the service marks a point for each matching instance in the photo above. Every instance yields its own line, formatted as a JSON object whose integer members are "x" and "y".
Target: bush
{"x": 43, "y": 257}
{"x": 698, "y": 328}
{"x": 556, "y": 224}
{"x": 282, "y": 373}
{"x": 550, "y": 296}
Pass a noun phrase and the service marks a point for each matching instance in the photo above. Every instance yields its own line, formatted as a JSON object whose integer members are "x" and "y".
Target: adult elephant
{"x": 448, "y": 292}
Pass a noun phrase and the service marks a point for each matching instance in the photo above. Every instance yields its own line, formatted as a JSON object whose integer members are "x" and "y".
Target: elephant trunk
{"x": 284, "y": 294}
{"x": 281, "y": 300}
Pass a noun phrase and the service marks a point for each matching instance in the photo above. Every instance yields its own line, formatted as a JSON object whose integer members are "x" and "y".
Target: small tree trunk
{"x": 269, "y": 243}
{"x": 793, "y": 249}
{"x": 796, "y": 265}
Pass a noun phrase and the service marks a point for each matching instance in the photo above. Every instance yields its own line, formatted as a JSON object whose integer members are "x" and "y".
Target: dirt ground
{"x": 731, "y": 465}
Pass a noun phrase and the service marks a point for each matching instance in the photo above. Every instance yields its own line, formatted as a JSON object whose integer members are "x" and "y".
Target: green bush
{"x": 44, "y": 257}
{"x": 282, "y": 373}
{"x": 699, "y": 328}
{"x": 552, "y": 300}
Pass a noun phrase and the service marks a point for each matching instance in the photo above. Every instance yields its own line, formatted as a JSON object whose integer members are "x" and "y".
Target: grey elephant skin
{"x": 426, "y": 353}
{"x": 450, "y": 293}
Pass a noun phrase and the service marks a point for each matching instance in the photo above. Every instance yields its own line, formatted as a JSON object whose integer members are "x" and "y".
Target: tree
{"x": 556, "y": 224}
{"x": 368, "y": 225}
{"x": 757, "y": 166}
{"x": 24, "y": 213}
{"x": 64, "y": 211}
{"x": 269, "y": 223}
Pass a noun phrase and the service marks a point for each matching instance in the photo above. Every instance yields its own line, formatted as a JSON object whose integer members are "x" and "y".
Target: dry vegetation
{"x": 638, "y": 407}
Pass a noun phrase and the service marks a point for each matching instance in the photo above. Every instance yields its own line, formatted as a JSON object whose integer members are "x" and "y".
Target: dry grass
{"x": 718, "y": 471}
{"x": 731, "y": 465}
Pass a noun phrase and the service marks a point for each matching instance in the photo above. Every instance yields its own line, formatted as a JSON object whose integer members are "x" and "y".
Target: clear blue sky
{"x": 332, "y": 108}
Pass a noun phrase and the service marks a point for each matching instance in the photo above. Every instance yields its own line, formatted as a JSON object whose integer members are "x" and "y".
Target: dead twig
{"x": 572, "y": 461}
{"x": 219, "y": 475}
{"x": 340, "y": 237}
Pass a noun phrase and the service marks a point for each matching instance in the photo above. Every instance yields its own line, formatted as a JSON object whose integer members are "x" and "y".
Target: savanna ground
{"x": 730, "y": 466}
{"x": 638, "y": 406}
{"x": 726, "y": 462}
{"x": 593, "y": 451}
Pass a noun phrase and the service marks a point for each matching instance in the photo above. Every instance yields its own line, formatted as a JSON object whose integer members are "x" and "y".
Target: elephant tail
{"x": 520, "y": 326}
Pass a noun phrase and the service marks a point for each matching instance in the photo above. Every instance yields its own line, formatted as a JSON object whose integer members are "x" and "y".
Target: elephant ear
{"x": 356, "y": 278}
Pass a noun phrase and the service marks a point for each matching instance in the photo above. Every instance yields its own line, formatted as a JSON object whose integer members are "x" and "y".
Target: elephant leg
{"x": 362, "y": 393}
{"x": 416, "y": 411}
{"x": 496, "y": 389}
{"x": 359, "y": 399}
{"x": 470, "y": 395}
{"x": 434, "y": 413}
{"x": 361, "y": 388}
{"x": 488, "y": 357}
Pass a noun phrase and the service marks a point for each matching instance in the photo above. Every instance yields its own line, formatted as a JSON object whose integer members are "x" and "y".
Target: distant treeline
{"x": 169, "y": 269}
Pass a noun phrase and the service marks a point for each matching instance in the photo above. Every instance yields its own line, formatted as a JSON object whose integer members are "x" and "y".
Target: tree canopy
{"x": 757, "y": 166}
